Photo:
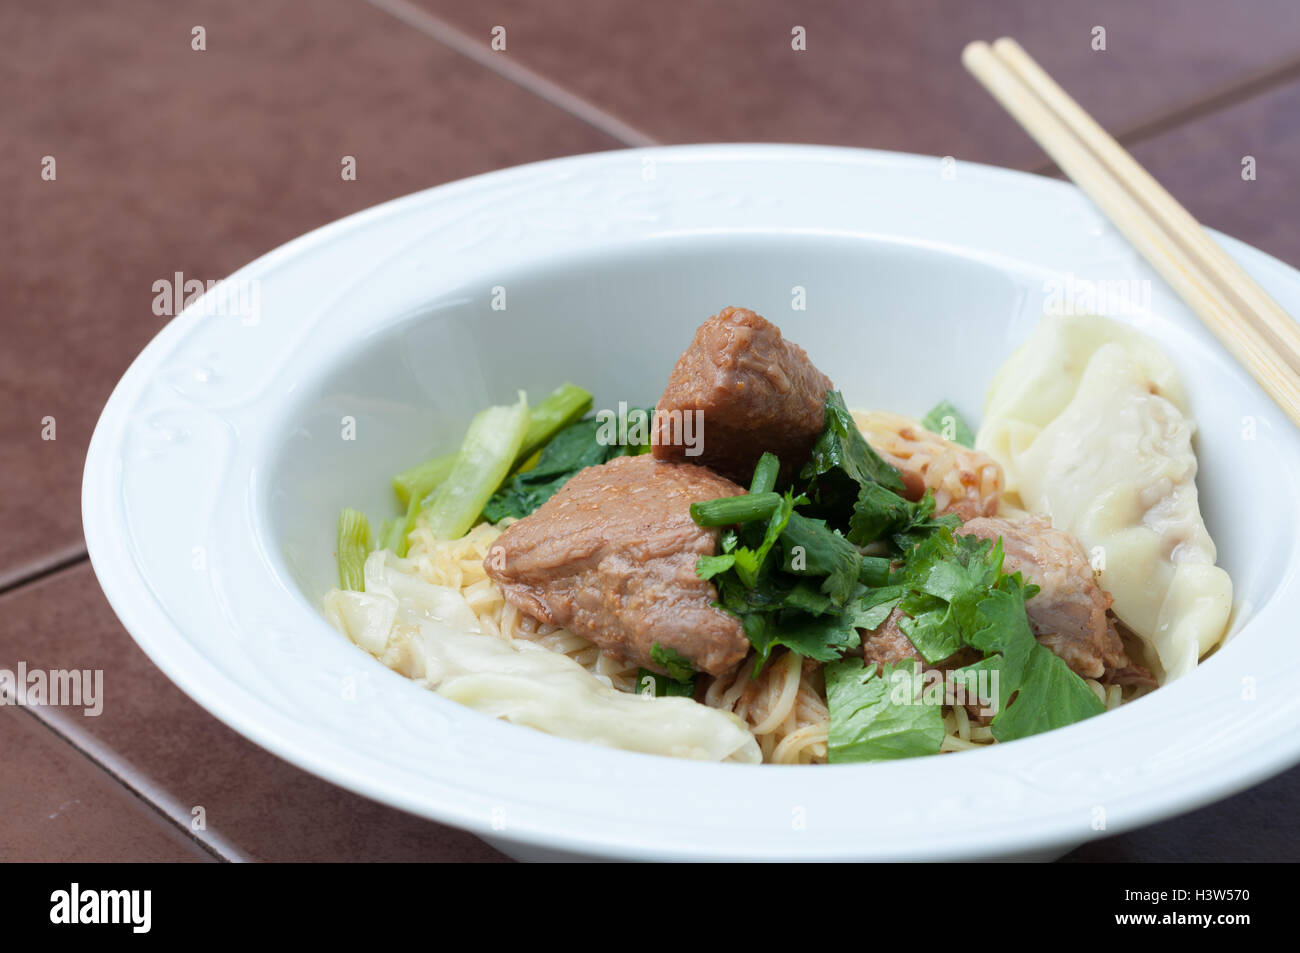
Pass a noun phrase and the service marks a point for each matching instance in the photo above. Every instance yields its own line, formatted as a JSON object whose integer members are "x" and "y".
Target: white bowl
{"x": 218, "y": 468}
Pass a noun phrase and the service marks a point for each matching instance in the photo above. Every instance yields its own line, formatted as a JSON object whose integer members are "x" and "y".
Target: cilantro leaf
{"x": 878, "y": 717}
{"x": 790, "y": 613}
{"x": 872, "y": 608}
{"x": 842, "y": 461}
{"x": 661, "y": 686}
{"x": 948, "y": 423}
{"x": 943, "y": 574}
{"x": 824, "y": 638}
{"x": 811, "y": 549}
{"x": 1037, "y": 691}
{"x": 879, "y": 513}
{"x": 750, "y": 562}
{"x": 706, "y": 567}
{"x": 678, "y": 667}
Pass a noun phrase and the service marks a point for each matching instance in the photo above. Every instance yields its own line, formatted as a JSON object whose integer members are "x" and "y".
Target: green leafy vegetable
{"x": 561, "y": 407}
{"x": 948, "y": 423}
{"x": 354, "y": 545}
{"x": 573, "y": 448}
{"x": 765, "y": 474}
{"x": 842, "y": 461}
{"x": 824, "y": 638}
{"x": 558, "y": 409}
{"x": 402, "y": 527}
{"x": 750, "y": 563}
{"x": 678, "y": 667}
{"x": 792, "y": 580}
{"x": 1037, "y": 691}
{"x": 680, "y": 680}
{"x": 586, "y": 443}
{"x": 878, "y": 717}
{"x": 661, "y": 686}
{"x": 706, "y": 567}
{"x": 811, "y": 549}
{"x": 943, "y": 574}
{"x": 874, "y": 606}
{"x": 491, "y": 446}
{"x": 627, "y": 428}
{"x": 882, "y": 514}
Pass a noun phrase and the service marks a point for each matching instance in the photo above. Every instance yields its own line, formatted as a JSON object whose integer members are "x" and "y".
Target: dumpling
{"x": 429, "y": 633}
{"x": 1088, "y": 422}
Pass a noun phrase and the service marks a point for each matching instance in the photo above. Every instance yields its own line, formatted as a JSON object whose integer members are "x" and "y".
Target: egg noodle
{"x": 784, "y": 707}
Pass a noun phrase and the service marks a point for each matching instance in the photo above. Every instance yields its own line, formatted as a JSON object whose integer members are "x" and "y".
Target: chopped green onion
{"x": 353, "y": 548}
{"x": 558, "y": 409}
{"x": 765, "y": 474}
{"x": 874, "y": 571}
{"x": 490, "y": 449}
{"x": 735, "y": 509}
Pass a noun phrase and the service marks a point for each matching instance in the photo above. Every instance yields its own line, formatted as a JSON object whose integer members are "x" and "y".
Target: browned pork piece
{"x": 1069, "y": 614}
{"x": 750, "y": 389}
{"x": 611, "y": 557}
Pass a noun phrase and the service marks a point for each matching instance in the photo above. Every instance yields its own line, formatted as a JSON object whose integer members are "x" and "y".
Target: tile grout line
{"x": 50, "y": 565}
{"x": 216, "y": 852}
{"x": 1227, "y": 96}
{"x": 163, "y": 805}
{"x": 500, "y": 63}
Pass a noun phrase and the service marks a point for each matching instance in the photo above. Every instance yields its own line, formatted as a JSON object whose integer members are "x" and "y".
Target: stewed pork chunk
{"x": 612, "y": 557}
{"x": 1069, "y": 614}
{"x": 751, "y": 391}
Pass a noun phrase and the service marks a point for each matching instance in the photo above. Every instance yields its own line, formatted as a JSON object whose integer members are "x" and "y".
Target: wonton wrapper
{"x": 430, "y": 634}
{"x": 1087, "y": 420}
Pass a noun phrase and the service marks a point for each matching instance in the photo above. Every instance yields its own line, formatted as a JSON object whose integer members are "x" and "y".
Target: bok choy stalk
{"x": 402, "y": 527}
{"x": 354, "y": 545}
{"x": 491, "y": 447}
{"x": 558, "y": 409}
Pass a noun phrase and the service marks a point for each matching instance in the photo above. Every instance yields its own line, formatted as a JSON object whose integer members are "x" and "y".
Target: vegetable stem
{"x": 490, "y": 449}
{"x": 397, "y": 539}
{"x": 353, "y": 548}
{"x": 421, "y": 480}
{"x": 735, "y": 509}
{"x": 874, "y": 571}
{"x": 558, "y": 409}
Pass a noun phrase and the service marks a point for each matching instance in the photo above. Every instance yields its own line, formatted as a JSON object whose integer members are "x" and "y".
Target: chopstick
{"x": 1242, "y": 315}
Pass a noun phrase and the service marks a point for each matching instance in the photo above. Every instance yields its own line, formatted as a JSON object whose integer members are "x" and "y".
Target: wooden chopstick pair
{"x": 1254, "y": 328}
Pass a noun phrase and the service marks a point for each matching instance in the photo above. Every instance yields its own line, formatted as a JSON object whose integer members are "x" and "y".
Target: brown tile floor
{"x": 172, "y": 160}
{"x": 884, "y": 74}
{"x": 172, "y": 753}
{"x": 56, "y": 804}
{"x": 1201, "y": 163}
